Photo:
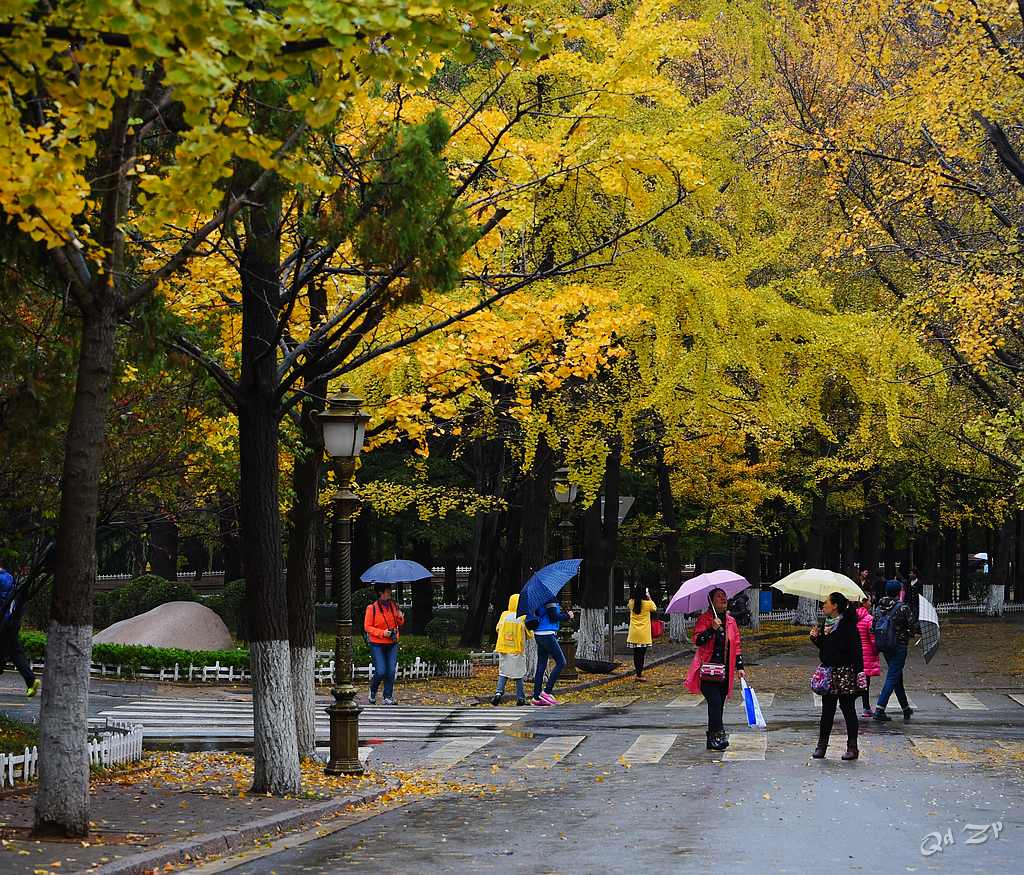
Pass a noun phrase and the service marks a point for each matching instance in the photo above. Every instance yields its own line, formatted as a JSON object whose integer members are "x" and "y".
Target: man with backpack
{"x": 893, "y": 623}
{"x": 11, "y": 608}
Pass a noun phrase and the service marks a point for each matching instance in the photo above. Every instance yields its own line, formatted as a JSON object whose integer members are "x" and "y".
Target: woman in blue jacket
{"x": 545, "y": 634}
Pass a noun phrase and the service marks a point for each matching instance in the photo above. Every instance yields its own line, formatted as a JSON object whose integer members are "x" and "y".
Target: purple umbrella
{"x": 693, "y": 595}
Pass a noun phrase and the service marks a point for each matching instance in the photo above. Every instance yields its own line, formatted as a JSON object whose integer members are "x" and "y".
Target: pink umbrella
{"x": 693, "y": 595}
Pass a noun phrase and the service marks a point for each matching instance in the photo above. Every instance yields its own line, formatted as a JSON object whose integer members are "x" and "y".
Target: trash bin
{"x": 765, "y": 601}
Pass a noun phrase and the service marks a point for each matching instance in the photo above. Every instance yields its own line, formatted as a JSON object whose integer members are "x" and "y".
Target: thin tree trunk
{"x": 163, "y": 545}
{"x": 670, "y": 540}
{"x": 451, "y": 580}
{"x": 871, "y": 531}
{"x": 600, "y": 539}
{"x": 422, "y": 590}
{"x": 62, "y": 801}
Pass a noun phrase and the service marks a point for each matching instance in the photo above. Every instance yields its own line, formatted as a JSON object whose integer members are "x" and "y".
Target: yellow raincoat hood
{"x": 513, "y": 602}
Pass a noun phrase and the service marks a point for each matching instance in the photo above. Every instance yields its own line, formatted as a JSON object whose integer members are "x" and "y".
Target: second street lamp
{"x": 344, "y": 428}
{"x": 565, "y": 496}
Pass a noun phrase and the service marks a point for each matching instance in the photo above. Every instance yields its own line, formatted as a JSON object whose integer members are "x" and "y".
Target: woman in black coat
{"x": 838, "y": 642}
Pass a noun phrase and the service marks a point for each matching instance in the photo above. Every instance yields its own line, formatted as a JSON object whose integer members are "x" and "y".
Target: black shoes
{"x": 851, "y": 753}
{"x": 907, "y": 713}
{"x": 819, "y": 752}
{"x": 881, "y": 716}
{"x": 717, "y": 741}
{"x": 496, "y": 699}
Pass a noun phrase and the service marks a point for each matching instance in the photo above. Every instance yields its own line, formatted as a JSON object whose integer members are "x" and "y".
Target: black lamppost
{"x": 344, "y": 428}
{"x": 565, "y": 496}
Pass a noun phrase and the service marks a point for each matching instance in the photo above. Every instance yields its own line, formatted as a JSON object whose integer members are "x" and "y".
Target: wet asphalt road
{"x": 692, "y": 812}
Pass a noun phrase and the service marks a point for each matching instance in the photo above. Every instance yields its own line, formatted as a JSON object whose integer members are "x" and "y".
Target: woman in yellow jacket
{"x": 639, "y": 638}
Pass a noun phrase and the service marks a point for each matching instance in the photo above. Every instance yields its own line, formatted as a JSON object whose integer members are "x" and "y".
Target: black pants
{"x": 639, "y": 655}
{"x": 714, "y": 695}
{"x": 848, "y": 704}
{"x": 11, "y": 651}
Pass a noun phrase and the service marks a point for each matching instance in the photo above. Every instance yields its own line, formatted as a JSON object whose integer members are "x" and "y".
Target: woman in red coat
{"x": 716, "y": 663}
{"x": 872, "y": 667}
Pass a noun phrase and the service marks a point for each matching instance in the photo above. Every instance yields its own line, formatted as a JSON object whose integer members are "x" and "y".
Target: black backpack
{"x": 884, "y": 628}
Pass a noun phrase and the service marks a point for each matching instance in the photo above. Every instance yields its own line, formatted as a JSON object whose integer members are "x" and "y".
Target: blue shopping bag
{"x": 753, "y": 708}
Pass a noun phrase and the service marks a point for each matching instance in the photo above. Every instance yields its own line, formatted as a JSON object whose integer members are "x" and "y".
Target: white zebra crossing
{"x": 550, "y": 752}
{"x": 746, "y": 746}
{"x": 686, "y": 702}
{"x": 232, "y": 720}
{"x": 1017, "y": 697}
{"x": 454, "y": 752}
{"x": 966, "y": 701}
{"x": 648, "y": 749}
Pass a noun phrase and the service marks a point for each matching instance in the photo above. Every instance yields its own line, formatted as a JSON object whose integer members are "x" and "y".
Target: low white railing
{"x": 323, "y": 672}
{"x": 123, "y": 745}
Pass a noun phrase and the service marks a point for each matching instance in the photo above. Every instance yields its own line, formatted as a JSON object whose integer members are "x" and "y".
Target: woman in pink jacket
{"x": 872, "y": 667}
{"x": 718, "y": 660}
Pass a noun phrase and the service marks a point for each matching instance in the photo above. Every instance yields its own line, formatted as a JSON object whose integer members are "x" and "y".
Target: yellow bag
{"x": 511, "y": 634}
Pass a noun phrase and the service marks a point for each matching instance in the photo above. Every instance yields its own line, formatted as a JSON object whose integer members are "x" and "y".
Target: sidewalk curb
{"x": 228, "y": 841}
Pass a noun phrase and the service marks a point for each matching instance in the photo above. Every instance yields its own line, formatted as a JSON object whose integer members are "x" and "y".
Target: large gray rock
{"x": 187, "y": 625}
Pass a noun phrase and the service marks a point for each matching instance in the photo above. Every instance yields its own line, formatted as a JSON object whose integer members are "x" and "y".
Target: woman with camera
{"x": 381, "y": 622}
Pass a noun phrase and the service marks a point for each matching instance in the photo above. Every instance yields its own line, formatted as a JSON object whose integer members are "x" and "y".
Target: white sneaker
{"x": 391, "y": 701}
{"x": 372, "y": 700}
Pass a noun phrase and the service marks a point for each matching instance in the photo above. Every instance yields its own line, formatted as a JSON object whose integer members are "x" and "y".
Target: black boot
{"x": 852, "y": 752}
{"x": 819, "y": 751}
{"x": 711, "y": 742}
{"x": 723, "y": 740}
{"x": 908, "y": 713}
{"x": 881, "y": 716}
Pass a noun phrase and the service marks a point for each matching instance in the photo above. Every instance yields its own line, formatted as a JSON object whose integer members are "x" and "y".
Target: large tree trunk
{"x": 600, "y": 539}
{"x": 230, "y": 544}
{"x": 163, "y": 545}
{"x": 62, "y": 801}
{"x": 670, "y": 541}
{"x": 276, "y": 760}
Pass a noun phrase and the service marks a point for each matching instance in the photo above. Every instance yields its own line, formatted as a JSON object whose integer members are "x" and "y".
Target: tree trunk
{"x": 670, "y": 541}
{"x": 62, "y": 801}
{"x": 163, "y": 546}
{"x": 488, "y": 461}
{"x": 303, "y": 525}
{"x": 422, "y": 590}
{"x": 806, "y": 612}
{"x": 276, "y": 759}
{"x": 600, "y": 539}
{"x": 451, "y": 580}
{"x": 320, "y": 558}
{"x": 592, "y": 644}
{"x": 871, "y": 531}
{"x": 815, "y": 555}
{"x": 229, "y": 539}
{"x": 303, "y": 520}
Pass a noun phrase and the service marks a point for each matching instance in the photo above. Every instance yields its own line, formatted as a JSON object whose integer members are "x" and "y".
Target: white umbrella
{"x": 818, "y": 584}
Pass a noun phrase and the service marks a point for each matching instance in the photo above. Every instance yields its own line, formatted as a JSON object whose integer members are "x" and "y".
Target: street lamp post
{"x": 344, "y": 428}
{"x": 565, "y": 496}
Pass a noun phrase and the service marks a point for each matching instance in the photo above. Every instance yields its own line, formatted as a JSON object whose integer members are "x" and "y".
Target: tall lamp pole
{"x": 565, "y": 496}
{"x": 344, "y": 428}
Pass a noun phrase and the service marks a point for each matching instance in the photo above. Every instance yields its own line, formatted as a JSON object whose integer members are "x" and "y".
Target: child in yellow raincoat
{"x": 511, "y": 650}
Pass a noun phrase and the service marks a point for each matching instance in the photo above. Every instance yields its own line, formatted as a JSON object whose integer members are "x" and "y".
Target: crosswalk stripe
{"x": 685, "y": 702}
{"x": 966, "y": 701}
{"x": 454, "y": 752}
{"x": 746, "y": 746}
{"x": 618, "y": 702}
{"x": 938, "y": 750}
{"x": 1014, "y": 747}
{"x": 549, "y": 752}
{"x": 1017, "y": 697}
{"x": 648, "y": 749}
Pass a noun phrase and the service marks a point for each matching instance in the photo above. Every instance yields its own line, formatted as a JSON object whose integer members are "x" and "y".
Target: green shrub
{"x": 140, "y": 595}
{"x": 230, "y": 606}
{"x": 133, "y": 657}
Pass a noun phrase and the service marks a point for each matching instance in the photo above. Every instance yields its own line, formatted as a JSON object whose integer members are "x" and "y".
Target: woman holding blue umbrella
{"x": 545, "y": 623}
{"x": 381, "y": 623}
{"x": 539, "y": 604}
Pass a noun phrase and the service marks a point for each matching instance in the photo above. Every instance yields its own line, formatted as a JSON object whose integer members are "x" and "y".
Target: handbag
{"x": 657, "y": 628}
{"x": 862, "y": 682}
{"x": 821, "y": 680}
{"x": 712, "y": 671}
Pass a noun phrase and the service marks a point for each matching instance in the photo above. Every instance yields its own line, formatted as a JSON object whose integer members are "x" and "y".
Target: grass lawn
{"x": 16, "y": 736}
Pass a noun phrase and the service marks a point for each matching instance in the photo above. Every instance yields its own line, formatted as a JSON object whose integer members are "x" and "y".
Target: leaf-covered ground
{"x": 15, "y": 736}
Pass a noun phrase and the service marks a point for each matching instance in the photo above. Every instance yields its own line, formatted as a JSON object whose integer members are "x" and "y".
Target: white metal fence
{"x": 116, "y": 743}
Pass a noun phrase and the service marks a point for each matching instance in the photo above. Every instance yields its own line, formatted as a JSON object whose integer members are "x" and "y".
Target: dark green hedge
{"x": 133, "y": 657}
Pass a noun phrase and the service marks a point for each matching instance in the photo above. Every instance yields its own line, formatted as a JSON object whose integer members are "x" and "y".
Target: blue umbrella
{"x": 546, "y": 584}
{"x": 395, "y": 571}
